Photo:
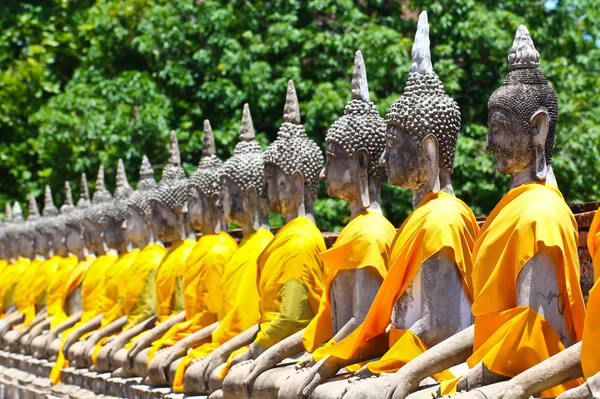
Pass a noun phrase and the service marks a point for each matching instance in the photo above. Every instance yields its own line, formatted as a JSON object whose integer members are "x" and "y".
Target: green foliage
{"x": 84, "y": 82}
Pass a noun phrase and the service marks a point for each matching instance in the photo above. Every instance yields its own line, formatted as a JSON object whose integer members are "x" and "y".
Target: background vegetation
{"x": 84, "y": 82}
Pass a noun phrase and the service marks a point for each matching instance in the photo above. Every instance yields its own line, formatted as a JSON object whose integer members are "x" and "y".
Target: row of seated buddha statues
{"x": 95, "y": 303}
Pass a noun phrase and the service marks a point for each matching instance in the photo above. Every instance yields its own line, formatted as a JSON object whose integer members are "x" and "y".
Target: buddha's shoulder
{"x": 370, "y": 223}
{"x": 446, "y": 211}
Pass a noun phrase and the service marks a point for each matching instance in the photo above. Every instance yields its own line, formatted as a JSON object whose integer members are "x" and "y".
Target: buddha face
{"x": 278, "y": 189}
{"x": 166, "y": 223}
{"x": 136, "y": 228}
{"x": 232, "y": 201}
{"x": 114, "y": 235}
{"x": 202, "y": 211}
{"x": 26, "y": 246}
{"x": 404, "y": 160}
{"x": 74, "y": 240}
{"x": 340, "y": 174}
{"x": 93, "y": 236}
{"x": 511, "y": 143}
{"x": 42, "y": 243}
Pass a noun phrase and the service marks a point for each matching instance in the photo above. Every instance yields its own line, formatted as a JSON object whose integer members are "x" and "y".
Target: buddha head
{"x": 24, "y": 234}
{"x": 50, "y": 230}
{"x": 73, "y": 218}
{"x": 293, "y": 163}
{"x": 95, "y": 220}
{"x": 522, "y": 114}
{"x": 137, "y": 225}
{"x": 422, "y": 126}
{"x": 169, "y": 199}
{"x": 7, "y": 247}
{"x": 355, "y": 143}
{"x": 242, "y": 180}
{"x": 205, "y": 186}
{"x": 116, "y": 212}
{"x": 42, "y": 243}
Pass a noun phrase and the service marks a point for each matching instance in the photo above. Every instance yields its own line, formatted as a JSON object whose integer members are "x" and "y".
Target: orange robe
{"x": 420, "y": 237}
{"x": 11, "y": 276}
{"x": 511, "y": 339}
{"x": 201, "y": 287}
{"x": 362, "y": 243}
{"x": 590, "y": 347}
{"x": 27, "y": 291}
{"x": 239, "y": 308}
{"x": 37, "y": 294}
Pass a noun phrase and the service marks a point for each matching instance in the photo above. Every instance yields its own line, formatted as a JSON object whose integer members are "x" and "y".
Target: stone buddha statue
{"x": 291, "y": 275}
{"x": 20, "y": 251}
{"x": 203, "y": 270}
{"x": 113, "y": 215}
{"x": 242, "y": 179}
{"x": 139, "y": 297}
{"x": 168, "y": 202}
{"x": 357, "y": 262}
{"x": 426, "y": 295}
{"x": 527, "y": 297}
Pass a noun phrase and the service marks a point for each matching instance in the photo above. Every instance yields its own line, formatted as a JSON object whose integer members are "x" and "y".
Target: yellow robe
{"x": 11, "y": 277}
{"x": 201, "y": 287}
{"x": 420, "y": 237}
{"x": 3, "y": 271}
{"x": 116, "y": 283}
{"x": 511, "y": 339}
{"x": 37, "y": 294}
{"x": 139, "y": 302}
{"x": 590, "y": 346}
{"x": 362, "y": 243}
{"x": 92, "y": 291}
{"x": 290, "y": 283}
{"x": 134, "y": 290}
{"x": 24, "y": 292}
{"x": 68, "y": 277}
{"x": 239, "y": 308}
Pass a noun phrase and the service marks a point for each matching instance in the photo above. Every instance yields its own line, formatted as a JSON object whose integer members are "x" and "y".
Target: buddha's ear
{"x": 184, "y": 208}
{"x": 362, "y": 167}
{"x": 431, "y": 150}
{"x": 540, "y": 122}
{"x": 297, "y": 179}
{"x": 250, "y": 198}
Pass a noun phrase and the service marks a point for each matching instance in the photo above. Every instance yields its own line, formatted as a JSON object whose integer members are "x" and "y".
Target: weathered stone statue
{"x": 113, "y": 216}
{"x": 527, "y": 297}
{"x": 65, "y": 232}
{"x": 169, "y": 205}
{"x": 242, "y": 204}
{"x": 579, "y": 360}
{"x": 20, "y": 251}
{"x": 357, "y": 262}
{"x": 139, "y": 296}
{"x": 92, "y": 279}
{"x": 426, "y": 295}
{"x": 203, "y": 270}
{"x": 291, "y": 275}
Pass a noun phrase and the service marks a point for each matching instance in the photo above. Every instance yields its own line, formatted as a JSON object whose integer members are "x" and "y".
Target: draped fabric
{"x": 11, "y": 276}
{"x": 421, "y": 236}
{"x": 168, "y": 286}
{"x": 139, "y": 302}
{"x": 112, "y": 299}
{"x": 590, "y": 347}
{"x": 68, "y": 277}
{"x": 511, "y": 339}
{"x": 362, "y": 243}
{"x": 24, "y": 292}
{"x": 93, "y": 286}
{"x": 239, "y": 308}
{"x": 37, "y": 294}
{"x": 201, "y": 287}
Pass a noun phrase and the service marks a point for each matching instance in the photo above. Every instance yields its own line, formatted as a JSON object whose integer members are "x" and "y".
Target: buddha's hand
{"x": 320, "y": 373}
{"x": 176, "y": 351}
{"x": 213, "y": 361}
{"x": 400, "y": 386}
{"x": 306, "y": 360}
{"x": 136, "y": 348}
{"x": 361, "y": 374}
{"x": 261, "y": 364}
{"x": 515, "y": 391}
{"x": 156, "y": 370}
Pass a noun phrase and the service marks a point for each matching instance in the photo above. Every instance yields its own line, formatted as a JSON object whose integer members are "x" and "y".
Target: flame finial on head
{"x": 291, "y": 110}
{"x": 174, "y": 156}
{"x": 33, "y": 211}
{"x": 523, "y": 54}
{"x": 360, "y": 85}
{"x": 100, "y": 179}
{"x": 421, "y": 53}
{"x": 49, "y": 208}
{"x": 208, "y": 145}
{"x": 7, "y": 213}
{"x": 84, "y": 191}
{"x": 68, "y": 194}
{"x": 247, "y": 128}
{"x": 146, "y": 171}
{"x": 17, "y": 212}
{"x": 121, "y": 176}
